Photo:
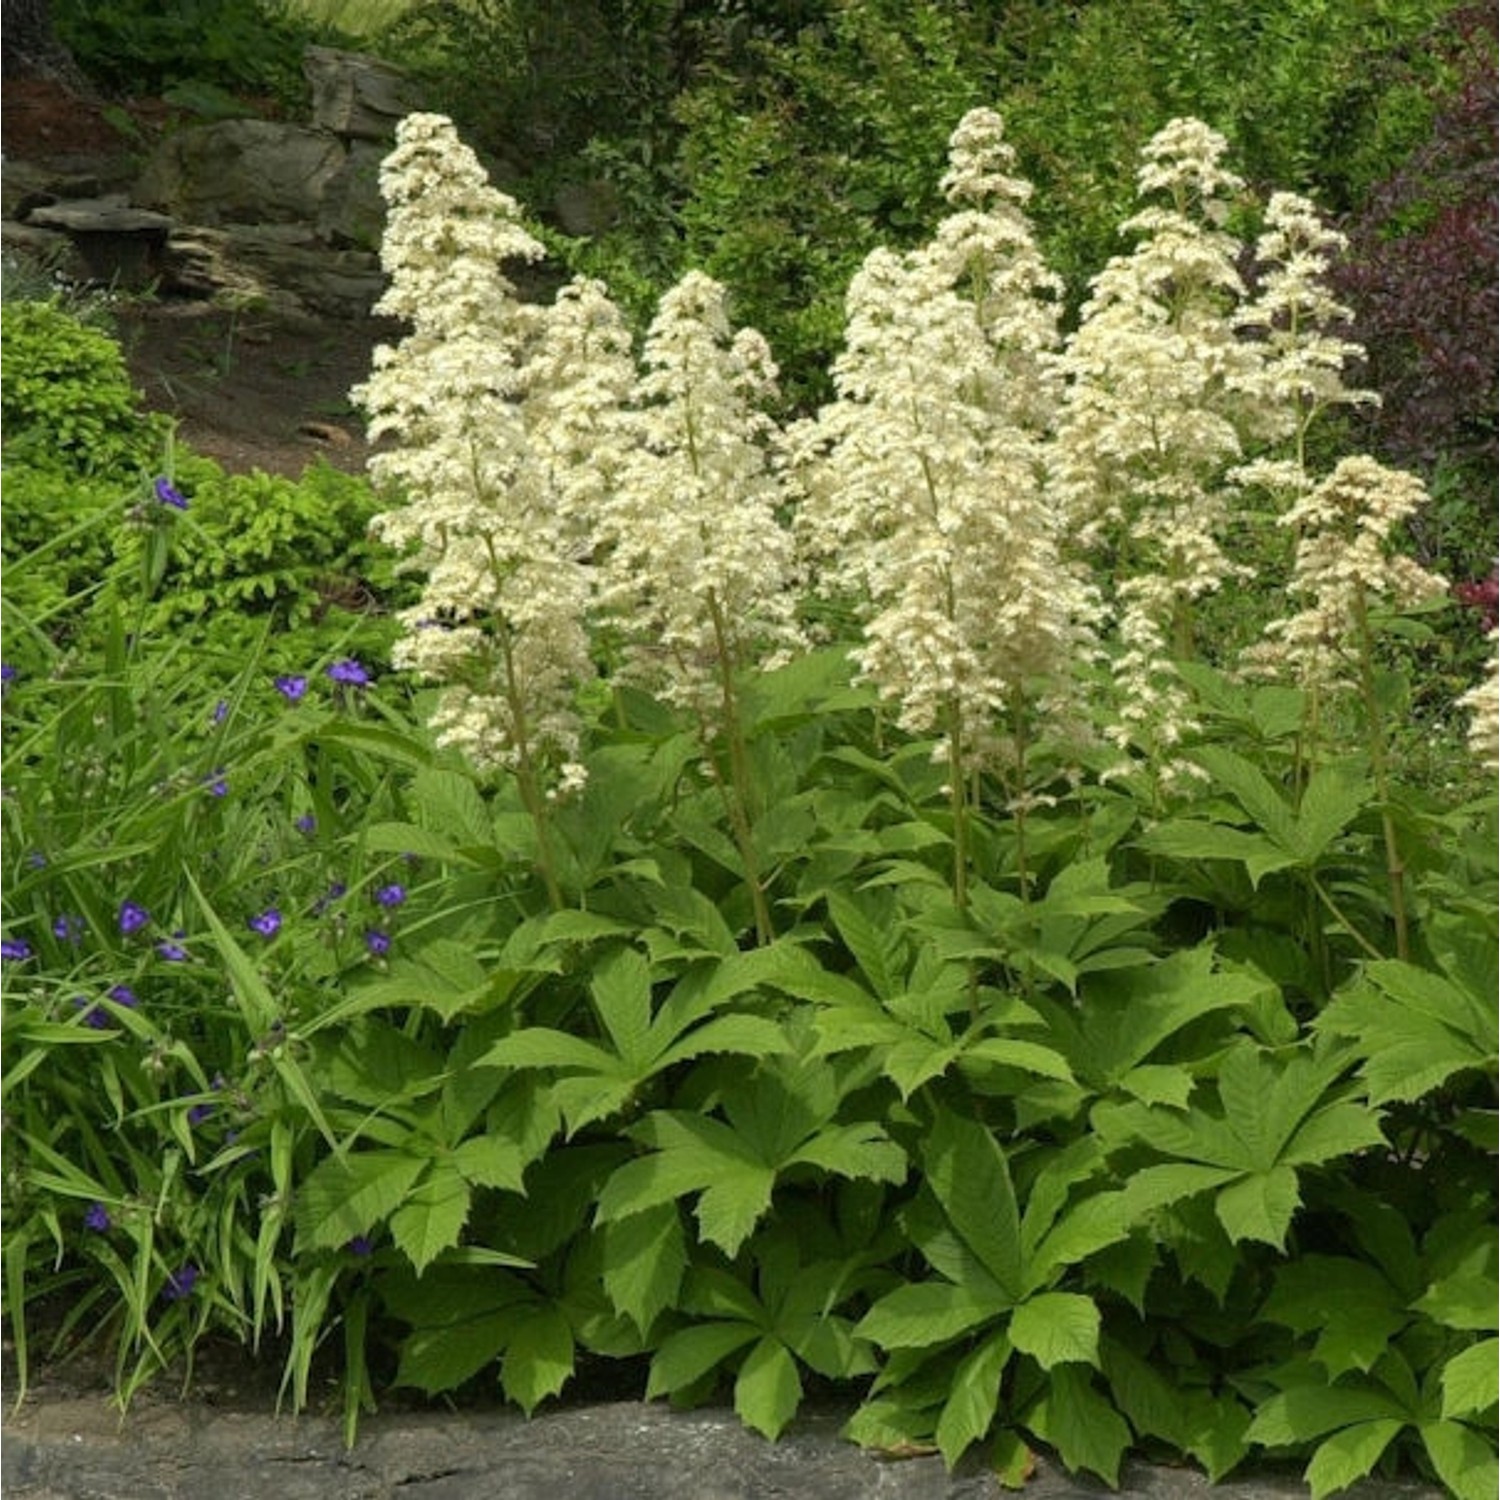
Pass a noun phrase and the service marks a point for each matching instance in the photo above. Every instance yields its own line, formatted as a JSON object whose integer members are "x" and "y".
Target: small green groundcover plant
{"x": 928, "y": 903}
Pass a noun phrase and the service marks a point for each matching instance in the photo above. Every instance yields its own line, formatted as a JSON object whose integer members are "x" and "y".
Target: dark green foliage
{"x": 780, "y": 152}
{"x": 83, "y": 523}
{"x": 1422, "y": 273}
{"x": 141, "y": 47}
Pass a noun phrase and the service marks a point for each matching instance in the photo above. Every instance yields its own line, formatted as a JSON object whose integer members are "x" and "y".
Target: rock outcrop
{"x": 286, "y": 216}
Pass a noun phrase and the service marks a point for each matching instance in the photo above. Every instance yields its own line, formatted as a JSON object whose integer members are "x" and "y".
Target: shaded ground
{"x": 250, "y": 391}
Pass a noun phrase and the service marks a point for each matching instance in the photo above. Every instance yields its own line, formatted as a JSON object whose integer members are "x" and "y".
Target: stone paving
{"x": 80, "y": 1449}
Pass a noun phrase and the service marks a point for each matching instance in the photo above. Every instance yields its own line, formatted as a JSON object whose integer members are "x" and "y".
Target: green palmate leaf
{"x": 449, "y": 803}
{"x": 1304, "y": 1412}
{"x": 1471, "y": 1380}
{"x": 1092, "y": 1225}
{"x": 1463, "y": 1301}
{"x": 1057, "y": 1328}
{"x": 1157, "y": 1187}
{"x": 1209, "y": 1428}
{"x": 690, "y": 1353}
{"x": 695, "y": 1154}
{"x": 973, "y": 1399}
{"x": 1074, "y": 1418}
{"x": 1348, "y": 1455}
{"x": 441, "y": 1359}
{"x": 1464, "y": 1459}
{"x": 538, "y": 1356}
{"x": 1334, "y": 797}
{"x": 871, "y": 939}
{"x": 1416, "y": 1029}
{"x": 645, "y": 1256}
{"x": 347, "y": 1196}
{"x": 1264, "y": 1103}
{"x": 621, "y": 987}
{"x": 1030, "y": 1057}
{"x": 930, "y": 1313}
{"x": 914, "y": 1060}
{"x": 1260, "y": 1207}
{"x": 432, "y": 1217}
{"x": 768, "y": 1389}
{"x": 491, "y": 1161}
{"x": 1353, "y": 1327}
{"x": 1245, "y": 783}
{"x": 1155, "y": 1084}
{"x": 1187, "y": 839}
{"x": 408, "y": 838}
{"x": 861, "y": 1150}
{"x": 967, "y": 1172}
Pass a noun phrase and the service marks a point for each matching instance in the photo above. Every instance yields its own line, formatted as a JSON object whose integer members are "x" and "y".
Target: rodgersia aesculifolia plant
{"x": 999, "y": 1131}
{"x": 922, "y": 484}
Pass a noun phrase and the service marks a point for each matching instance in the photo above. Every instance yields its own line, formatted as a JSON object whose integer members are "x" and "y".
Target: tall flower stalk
{"x": 1153, "y": 416}
{"x": 697, "y": 570}
{"x": 1344, "y": 567}
{"x": 488, "y": 400}
{"x": 922, "y": 487}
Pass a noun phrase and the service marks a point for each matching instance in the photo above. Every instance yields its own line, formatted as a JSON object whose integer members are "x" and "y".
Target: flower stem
{"x": 737, "y": 794}
{"x": 1394, "y": 869}
{"x": 527, "y": 781}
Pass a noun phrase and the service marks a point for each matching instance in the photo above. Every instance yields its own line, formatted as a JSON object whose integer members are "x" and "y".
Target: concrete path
{"x": 80, "y": 1449}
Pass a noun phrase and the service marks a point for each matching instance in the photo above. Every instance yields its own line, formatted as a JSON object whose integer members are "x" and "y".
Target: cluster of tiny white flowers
{"x": 1155, "y": 413}
{"x": 696, "y": 567}
{"x": 1483, "y": 706}
{"x": 921, "y": 482}
{"x": 502, "y": 620}
{"x": 1344, "y": 565}
{"x": 1301, "y": 373}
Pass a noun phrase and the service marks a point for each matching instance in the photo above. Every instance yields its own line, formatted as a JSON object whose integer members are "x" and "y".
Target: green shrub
{"x": 141, "y": 47}
{"x": 67, "y": 401}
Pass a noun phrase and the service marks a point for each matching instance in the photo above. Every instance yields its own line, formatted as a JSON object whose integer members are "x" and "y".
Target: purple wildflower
{"x": 349, "y": 673}
{"x": 132, "y": 917}
{"x": 221, "y": 710}
{"x": 390, "y": 895}
{"x": 180, "y": 1283}
{"x": 217, "y": 785}
{"x": 94, "y": 1018}
{"x": 96, "y": 1217}
{"x": 169, "y": 494}
{"x": 37, "y": 860}
{"x": 16, "y": 948}
{"x": 7, "y": 674}
{"x": 306, "y": 823}
{"x": 268, "y": 923}
{"x": 122, "y": 994}
{"x": 67, "y": 928}
{"x": 291, "y": 688}
{"x": 360, "y": 1245}
{"x": 378, "y": 942}
{"x": 199, "y": 1113}
{"x": 171, "y": 950}
{"x": 337, "y": 889}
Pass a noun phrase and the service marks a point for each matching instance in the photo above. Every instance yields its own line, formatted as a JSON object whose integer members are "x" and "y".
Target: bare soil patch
{"x": 250, "y": 391}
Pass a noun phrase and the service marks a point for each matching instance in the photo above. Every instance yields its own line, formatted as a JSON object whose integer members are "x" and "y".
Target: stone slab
{"x": 81, "y": 1449}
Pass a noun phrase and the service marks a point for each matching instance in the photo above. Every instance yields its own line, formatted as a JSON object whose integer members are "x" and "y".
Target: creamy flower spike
{"x": 1158, "y": 403}
{"x": 1295, "y": 316}
{"x": 494, "y": 405}
{"x": 697, "y": 569}
{"x": 1483, "y": 705}
{"x": 922, "y": 496}
{"x": 1344, "y": 566}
